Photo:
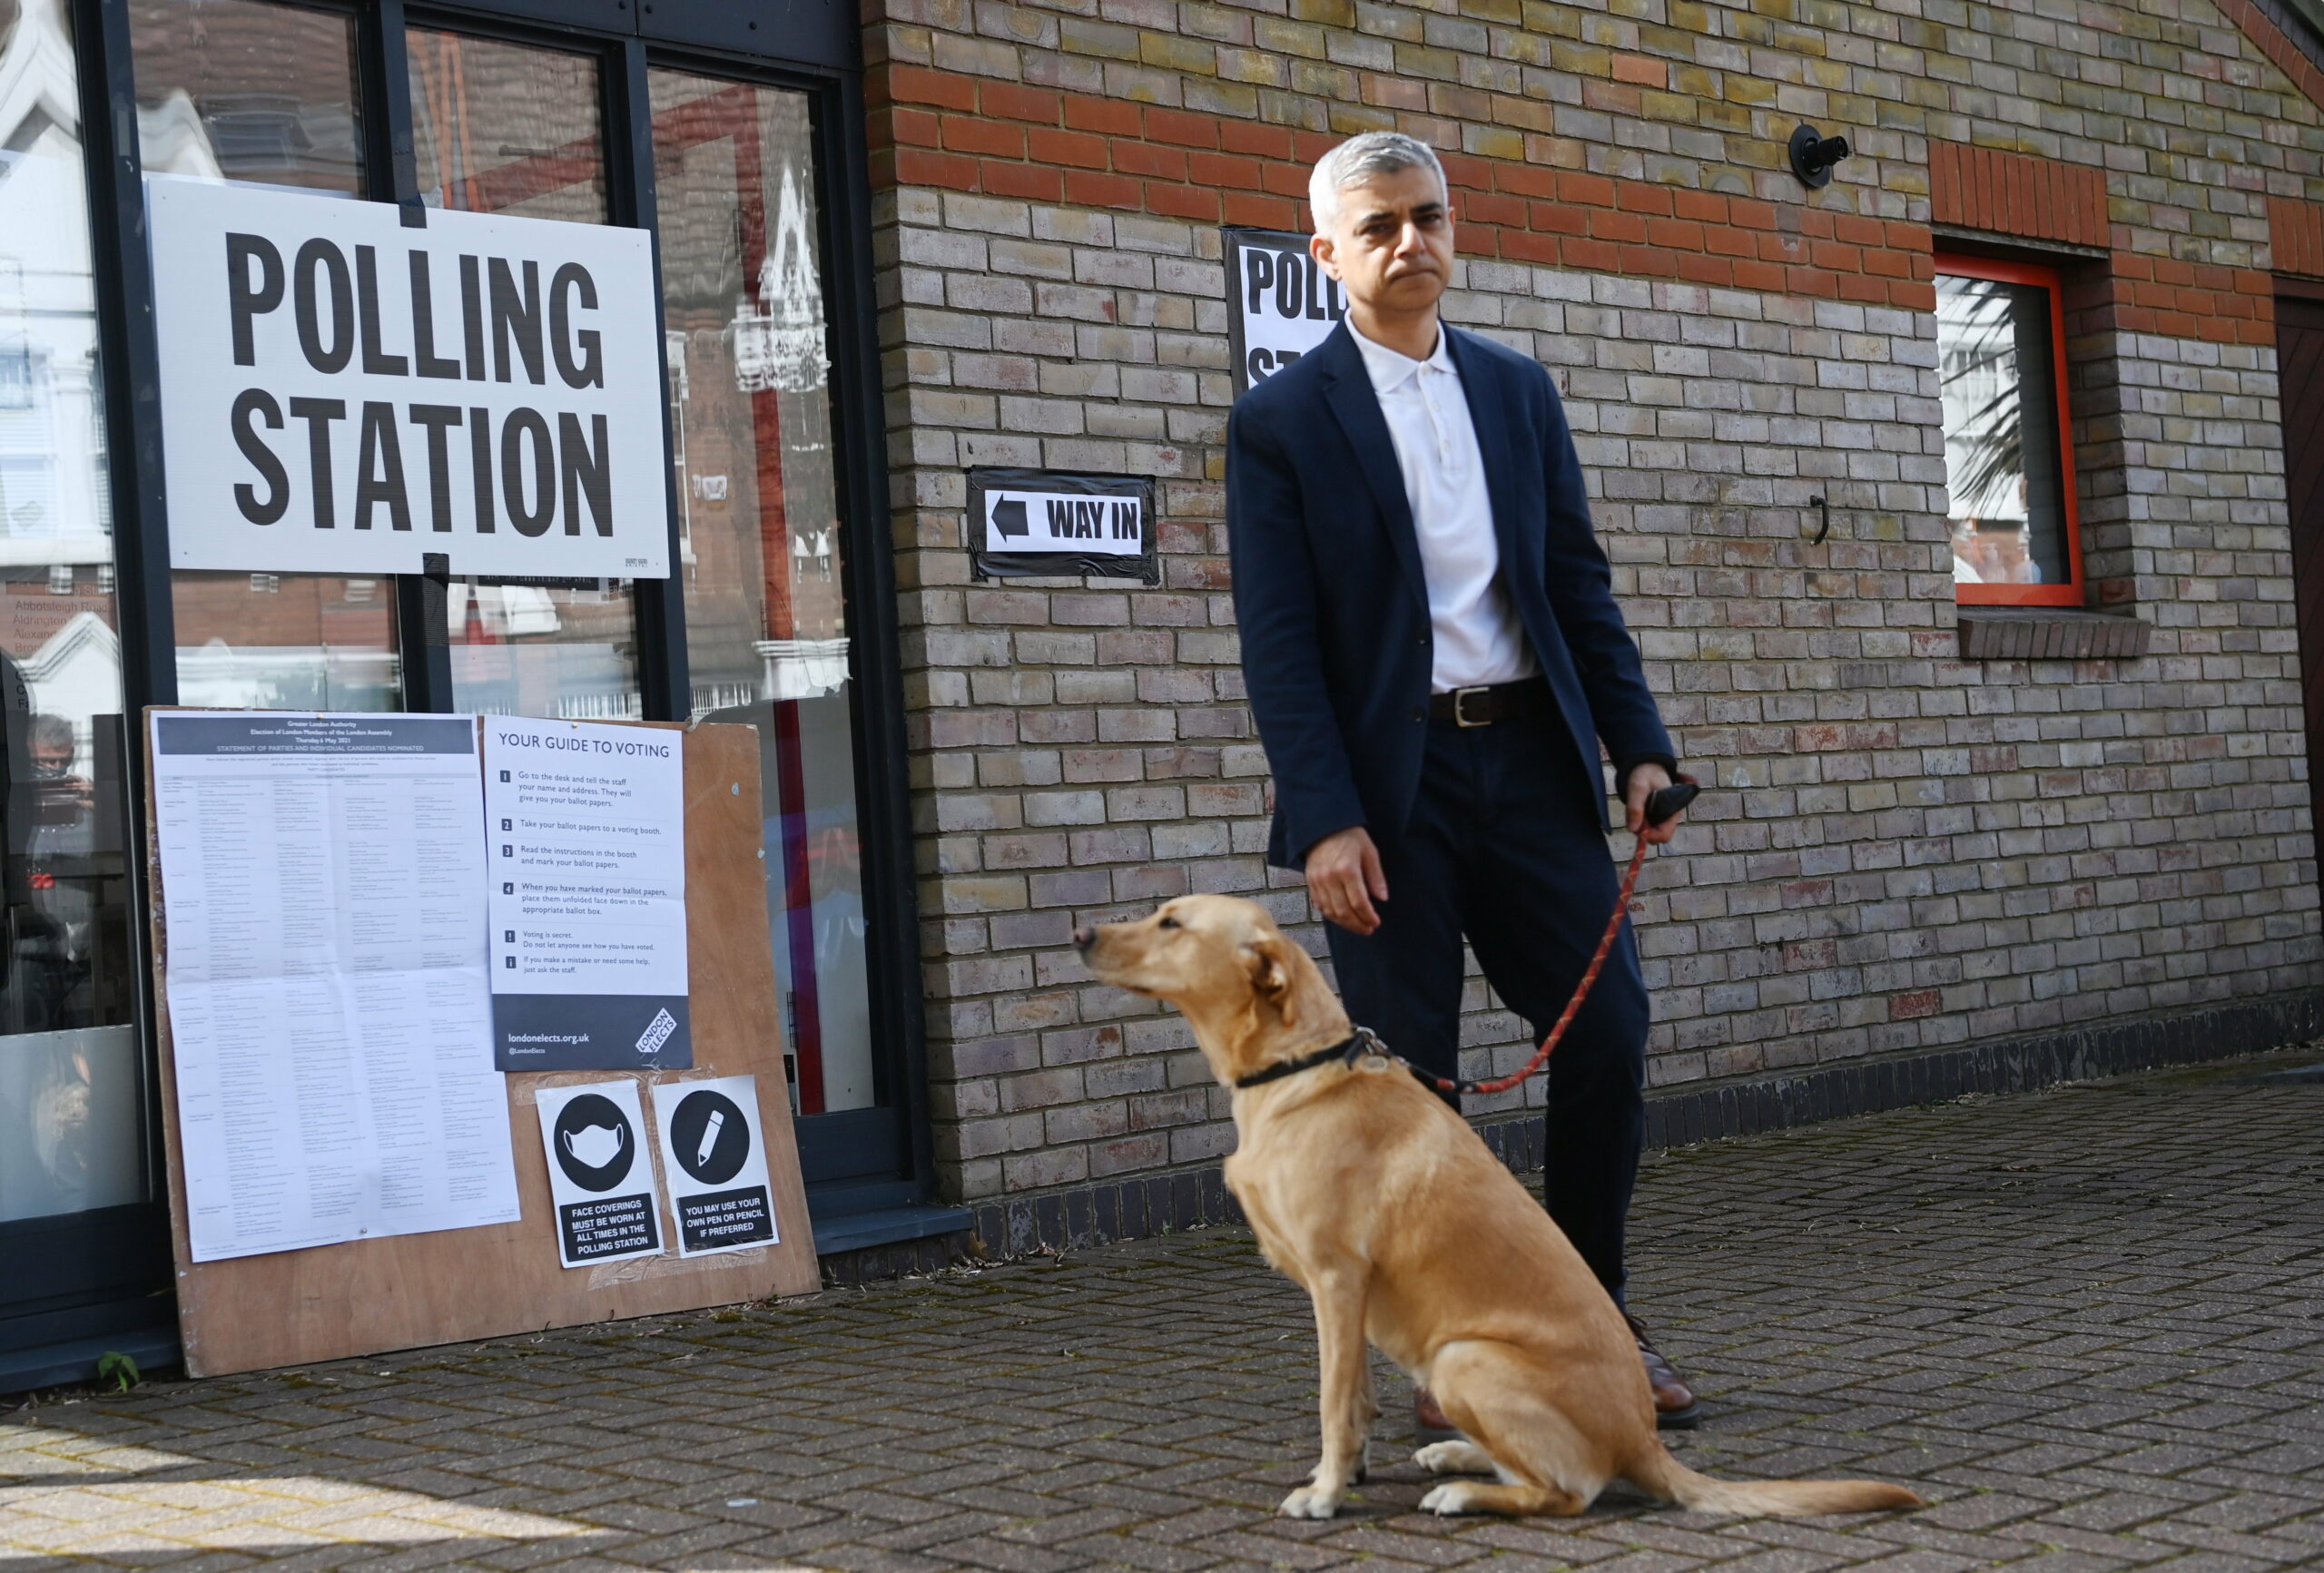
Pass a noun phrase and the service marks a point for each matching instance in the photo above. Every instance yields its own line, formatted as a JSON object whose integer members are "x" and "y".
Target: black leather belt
{"x": 1484, "y": 706}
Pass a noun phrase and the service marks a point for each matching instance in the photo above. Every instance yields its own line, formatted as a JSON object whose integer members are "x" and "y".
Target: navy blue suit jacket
{"x": 1333, "y": 610}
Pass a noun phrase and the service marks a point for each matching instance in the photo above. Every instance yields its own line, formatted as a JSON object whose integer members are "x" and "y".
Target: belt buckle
{"x": 1461, "y": 705}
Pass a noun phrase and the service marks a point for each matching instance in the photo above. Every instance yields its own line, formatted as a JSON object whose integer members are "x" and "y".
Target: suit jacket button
{"x": 1420, "y": 714}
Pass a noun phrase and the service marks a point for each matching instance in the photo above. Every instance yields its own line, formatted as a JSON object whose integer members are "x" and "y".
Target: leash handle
{"x": 1667, "y": 803}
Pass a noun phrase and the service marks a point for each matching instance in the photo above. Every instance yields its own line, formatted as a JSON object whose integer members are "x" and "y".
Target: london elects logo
{"x": 658, "y": 1032}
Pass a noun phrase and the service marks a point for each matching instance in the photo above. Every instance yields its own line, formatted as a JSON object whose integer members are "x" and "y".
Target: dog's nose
{"x": 1084, "y": 937}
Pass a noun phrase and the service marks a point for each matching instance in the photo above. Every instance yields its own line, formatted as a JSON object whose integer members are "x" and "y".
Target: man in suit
{"x": 1433, "y": 655}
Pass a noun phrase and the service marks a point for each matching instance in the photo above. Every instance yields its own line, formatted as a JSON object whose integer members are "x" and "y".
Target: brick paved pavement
{"x": 2086, "y": 1321}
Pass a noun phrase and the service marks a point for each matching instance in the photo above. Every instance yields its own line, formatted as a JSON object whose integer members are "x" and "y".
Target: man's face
{"x": 50, "y": 762}
{"x": 1391, "y": 243}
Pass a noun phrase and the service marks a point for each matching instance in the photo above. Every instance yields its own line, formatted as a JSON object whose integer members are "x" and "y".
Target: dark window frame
{"x": 2005, "y": 271}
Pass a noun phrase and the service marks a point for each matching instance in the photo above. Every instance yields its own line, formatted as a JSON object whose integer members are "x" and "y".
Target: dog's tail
{"x": 1666, "y": 1478}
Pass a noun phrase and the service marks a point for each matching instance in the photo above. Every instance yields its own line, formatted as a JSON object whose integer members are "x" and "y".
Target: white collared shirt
{"x": 1477, "y": 636}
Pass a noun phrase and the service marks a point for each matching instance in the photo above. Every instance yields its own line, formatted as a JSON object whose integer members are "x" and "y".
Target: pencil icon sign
{"x": 709, "y": 1137}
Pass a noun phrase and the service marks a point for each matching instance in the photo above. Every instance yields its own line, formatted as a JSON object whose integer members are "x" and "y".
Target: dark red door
{"x": 2300, "y": 360}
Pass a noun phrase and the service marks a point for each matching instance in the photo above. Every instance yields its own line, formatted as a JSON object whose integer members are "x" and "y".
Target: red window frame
{"x": 2069, "y": 593}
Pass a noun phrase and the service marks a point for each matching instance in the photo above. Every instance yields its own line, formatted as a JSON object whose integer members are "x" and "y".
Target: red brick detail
{"x": 966, "y": 133}
{"x": 2254, "y": 23}
{"x": 2007, "y": 193}
{"x": 2295, "y": 235}
{"x": 2175, "y": 300}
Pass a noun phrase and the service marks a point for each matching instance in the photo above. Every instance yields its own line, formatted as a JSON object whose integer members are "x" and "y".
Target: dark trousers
{"x": 1501, "y": 851}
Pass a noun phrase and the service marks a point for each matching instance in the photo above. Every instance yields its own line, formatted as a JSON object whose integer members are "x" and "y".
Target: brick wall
{"x": 1903, "y": 849}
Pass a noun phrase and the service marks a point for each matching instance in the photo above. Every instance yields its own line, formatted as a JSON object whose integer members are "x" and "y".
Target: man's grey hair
{"x": 1359, "y": 158}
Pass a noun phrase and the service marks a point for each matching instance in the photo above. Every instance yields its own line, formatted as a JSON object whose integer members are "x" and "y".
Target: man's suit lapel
{"x": 1357, "y": 410}
{"x": 1489, "y": 414}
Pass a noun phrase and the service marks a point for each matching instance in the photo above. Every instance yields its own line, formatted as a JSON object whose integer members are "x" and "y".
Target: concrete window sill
{"x": 2049, "y": 634}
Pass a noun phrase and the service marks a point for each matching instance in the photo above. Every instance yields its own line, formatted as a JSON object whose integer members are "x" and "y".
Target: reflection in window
{"x": 762, "y": 543}
{"x": 285, "y": 641}
{"x": 241, "y": 90}
{"x": 71, "y": 1131}
{"x": 1998, "y": 388}
{"x": 501, "y": 128}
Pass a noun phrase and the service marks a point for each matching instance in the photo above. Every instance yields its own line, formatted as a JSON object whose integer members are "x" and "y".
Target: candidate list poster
{"x": 343, "y": 392}
{"x": 330, "y": 1030}
{"x": 585, "y": 858}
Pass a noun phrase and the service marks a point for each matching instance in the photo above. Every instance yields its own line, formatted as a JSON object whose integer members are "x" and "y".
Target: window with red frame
{"x": 2008, "y": 457}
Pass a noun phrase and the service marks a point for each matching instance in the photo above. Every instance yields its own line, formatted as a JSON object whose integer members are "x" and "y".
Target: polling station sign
{"x": 1026, "y": 522}
{"x": 344, "y": 393}
{"x": 1280, "y": 303}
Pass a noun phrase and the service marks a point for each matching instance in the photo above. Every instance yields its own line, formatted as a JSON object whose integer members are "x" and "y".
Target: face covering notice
{"x": 600, "y": 1176}
{"x": 585, "y": 833}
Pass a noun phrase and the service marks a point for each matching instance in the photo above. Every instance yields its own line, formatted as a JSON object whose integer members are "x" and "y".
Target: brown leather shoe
{"x": 1676, "y": 1408}
{"x": 1429, "y": 1422}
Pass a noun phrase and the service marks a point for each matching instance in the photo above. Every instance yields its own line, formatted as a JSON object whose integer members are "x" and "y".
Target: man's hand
{"x": 1645, "y": 781}
{"x": 1343, "y": 872}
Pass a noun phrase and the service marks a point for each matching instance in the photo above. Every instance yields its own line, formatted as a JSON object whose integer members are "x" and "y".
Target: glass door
{"x": 80, "y": 1222}
{"x": 763, "y": 555}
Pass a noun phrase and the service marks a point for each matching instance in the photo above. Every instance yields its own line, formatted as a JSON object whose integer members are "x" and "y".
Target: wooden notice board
{"x": 408, "y": 1291}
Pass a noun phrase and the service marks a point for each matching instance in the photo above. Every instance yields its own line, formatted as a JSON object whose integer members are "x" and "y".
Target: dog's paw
{"x": 1309, "y": 1502}
{"x": 1447, "y": 1499}
{"x": 1453, "y": 1459}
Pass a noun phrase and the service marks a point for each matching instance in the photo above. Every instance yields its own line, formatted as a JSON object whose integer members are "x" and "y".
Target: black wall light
{"x": 1813, "y": 155}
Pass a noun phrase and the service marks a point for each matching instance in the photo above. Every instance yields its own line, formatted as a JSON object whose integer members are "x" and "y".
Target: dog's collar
{"x": 1348, "y": 1050}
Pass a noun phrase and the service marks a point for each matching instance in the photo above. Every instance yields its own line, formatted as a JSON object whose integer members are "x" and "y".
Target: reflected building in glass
{"x": 72, "y": 1131}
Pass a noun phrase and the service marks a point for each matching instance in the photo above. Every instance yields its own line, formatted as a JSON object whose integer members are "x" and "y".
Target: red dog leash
{"x": 1660, "y": 807}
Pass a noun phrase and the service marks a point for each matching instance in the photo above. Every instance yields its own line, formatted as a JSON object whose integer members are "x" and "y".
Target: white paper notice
{"x": 330, "y": 1024}
{"x": 587, "y": 846}
{"x": 715, "y": 1145}
{"x": 600, "y": 1176}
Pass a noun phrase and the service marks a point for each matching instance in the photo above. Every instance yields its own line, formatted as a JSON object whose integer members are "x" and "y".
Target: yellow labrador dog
{"x": 1383, "y": 1203}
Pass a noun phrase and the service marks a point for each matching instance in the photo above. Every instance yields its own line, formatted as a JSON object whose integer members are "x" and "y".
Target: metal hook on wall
{"x": 1824, "y": 509}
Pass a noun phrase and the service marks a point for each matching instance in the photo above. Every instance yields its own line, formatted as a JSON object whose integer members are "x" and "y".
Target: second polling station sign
{"x": 1280, "y": 303}
{"x": 343, "y": 392}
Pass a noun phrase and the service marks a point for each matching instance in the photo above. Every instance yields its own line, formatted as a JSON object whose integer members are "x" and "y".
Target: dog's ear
{"x": 1272, "y": 978}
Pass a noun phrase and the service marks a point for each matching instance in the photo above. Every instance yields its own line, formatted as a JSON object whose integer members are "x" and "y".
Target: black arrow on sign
{"x": 1008, "y": 517}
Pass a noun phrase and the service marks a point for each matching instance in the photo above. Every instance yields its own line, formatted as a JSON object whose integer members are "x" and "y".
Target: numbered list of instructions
{"x": 586, "y": 841}
{"x": 327, "y": 1005}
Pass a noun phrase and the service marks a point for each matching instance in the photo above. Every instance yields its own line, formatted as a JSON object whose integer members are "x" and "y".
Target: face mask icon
{"x": 595, "y": 1147}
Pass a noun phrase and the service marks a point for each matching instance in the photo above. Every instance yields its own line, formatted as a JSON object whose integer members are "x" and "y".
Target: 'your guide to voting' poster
{"x": 585, "y": 829}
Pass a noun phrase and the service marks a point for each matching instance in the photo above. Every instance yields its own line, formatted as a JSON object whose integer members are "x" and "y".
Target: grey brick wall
{"x": 1903, "y": 849}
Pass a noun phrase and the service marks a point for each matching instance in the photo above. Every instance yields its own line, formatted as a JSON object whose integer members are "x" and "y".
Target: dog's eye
{"x": 1168, "y": 923}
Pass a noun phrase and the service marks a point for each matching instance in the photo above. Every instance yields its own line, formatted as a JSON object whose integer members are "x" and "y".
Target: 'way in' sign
{"x": 1027, "y": 522}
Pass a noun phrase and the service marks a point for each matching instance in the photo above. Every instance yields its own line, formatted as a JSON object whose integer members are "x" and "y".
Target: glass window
{"x": 71, "y": 1123}
{"x": 501, "y": 128}
{"x": 246, "y": 91}
{"x": 762, "y": 542}
{"x": 2008, "y": 462}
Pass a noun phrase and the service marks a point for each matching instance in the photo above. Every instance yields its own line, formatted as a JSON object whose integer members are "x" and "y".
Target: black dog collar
{"x": 1348, "y": 1050}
